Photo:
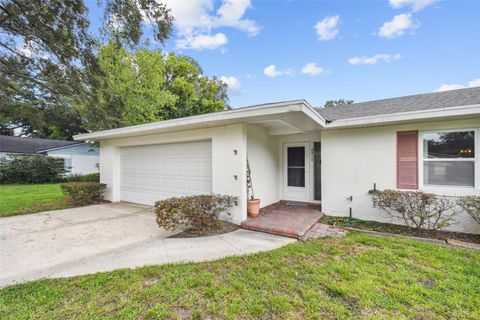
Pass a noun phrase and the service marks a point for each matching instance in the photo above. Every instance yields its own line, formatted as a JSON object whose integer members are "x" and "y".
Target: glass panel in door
{"x": 296, "y": 167}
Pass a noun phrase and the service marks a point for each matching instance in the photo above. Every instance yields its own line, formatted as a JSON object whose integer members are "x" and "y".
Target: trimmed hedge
{"x": 471, "y": 205}
{"x": 418, "y": 210}
{"x": 35, "y": 168}
{"x": 84, "y": 192}
{"x": 197, "y": 213}
{"x": 91, "y": 177}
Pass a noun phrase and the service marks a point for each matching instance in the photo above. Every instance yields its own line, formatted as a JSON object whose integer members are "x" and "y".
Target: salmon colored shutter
{"x": 407, "y": 160}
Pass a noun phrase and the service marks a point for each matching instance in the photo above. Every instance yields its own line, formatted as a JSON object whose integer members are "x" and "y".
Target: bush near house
{"x": 418, "y": 210}
{"x": 471, "y": 205}
{"x": 91, "y": 177}
{"x": 35, "y": 168}
{"x": 197, "y": 213}
{"x": 84, "y": 193}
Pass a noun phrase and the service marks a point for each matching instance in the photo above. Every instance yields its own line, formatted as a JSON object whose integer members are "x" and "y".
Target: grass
{"x": 24, "y": 199}
{"x": 360, "y": 277}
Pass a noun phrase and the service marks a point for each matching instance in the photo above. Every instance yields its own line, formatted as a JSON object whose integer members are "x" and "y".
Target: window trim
{"x": 476, "y": 159}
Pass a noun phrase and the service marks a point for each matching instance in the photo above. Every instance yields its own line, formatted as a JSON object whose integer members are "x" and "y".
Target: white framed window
{"x": 449, "y": 158}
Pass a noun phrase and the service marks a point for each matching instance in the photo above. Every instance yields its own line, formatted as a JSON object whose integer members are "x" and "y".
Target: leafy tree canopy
{"x": 47, "y": 57}
{"x": 149, "y": 85}
{"x": 336, "y": 103}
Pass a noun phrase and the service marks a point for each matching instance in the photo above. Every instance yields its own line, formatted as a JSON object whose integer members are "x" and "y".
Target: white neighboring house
{"x": 333, "y": 156}
{"x": 79, "y": 157}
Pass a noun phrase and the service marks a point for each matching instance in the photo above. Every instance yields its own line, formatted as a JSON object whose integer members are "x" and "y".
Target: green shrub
{"x": 418, "y": 210}
{"x": 91, "y": 177}
{"x": 84, "y": 192}
{"x": 471, "y": 205}
{"x": 35, "y": 168}
{"x": 197, "y": 213}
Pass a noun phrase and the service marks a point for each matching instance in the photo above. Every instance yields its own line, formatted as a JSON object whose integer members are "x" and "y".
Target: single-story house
{"x": 333, "y": 156}
{"x": 79, "y": 157}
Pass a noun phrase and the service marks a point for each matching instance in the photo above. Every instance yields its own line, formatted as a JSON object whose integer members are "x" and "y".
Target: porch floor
{"x": 288, "y": 219}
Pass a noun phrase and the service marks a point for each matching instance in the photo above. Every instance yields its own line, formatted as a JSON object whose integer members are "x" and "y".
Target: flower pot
{"x": 253, "y": 207}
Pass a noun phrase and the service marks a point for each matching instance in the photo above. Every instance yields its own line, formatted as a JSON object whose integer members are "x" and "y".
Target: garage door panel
{"x": 155, "y": 172}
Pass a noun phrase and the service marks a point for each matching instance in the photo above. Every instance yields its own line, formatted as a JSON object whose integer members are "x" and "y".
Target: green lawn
{"x": 30, "y": 198}
{"x": 360, "y": 277}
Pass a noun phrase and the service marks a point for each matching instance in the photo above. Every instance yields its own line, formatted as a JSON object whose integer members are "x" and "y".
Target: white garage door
{"x": 156, "y": 172}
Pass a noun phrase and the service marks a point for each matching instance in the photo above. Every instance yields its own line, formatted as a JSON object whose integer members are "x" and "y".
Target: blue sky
{"x": 360, "y": 50}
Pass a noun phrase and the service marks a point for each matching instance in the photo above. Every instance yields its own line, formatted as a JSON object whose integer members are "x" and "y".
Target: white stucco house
{"x": 78, "y": 157}
{"x": 332, "y": 156}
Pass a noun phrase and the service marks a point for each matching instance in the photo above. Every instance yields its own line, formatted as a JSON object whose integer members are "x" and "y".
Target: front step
{"x": 284, "y": 220}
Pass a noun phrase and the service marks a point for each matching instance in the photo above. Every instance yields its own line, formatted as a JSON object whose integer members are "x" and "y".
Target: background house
{"x": 79, "y": 157}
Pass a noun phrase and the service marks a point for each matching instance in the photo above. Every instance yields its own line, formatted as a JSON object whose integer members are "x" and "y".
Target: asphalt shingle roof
{"x": 30, "y": 145}
{"x": 436, "y": 100}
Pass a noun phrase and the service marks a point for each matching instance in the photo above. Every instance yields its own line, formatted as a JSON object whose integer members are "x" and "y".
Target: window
{"x": 67, "y": 162}
{"x": 449, "y": 158}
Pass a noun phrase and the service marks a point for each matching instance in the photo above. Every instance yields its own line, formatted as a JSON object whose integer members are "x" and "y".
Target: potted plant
{"x": 253, "y": 205}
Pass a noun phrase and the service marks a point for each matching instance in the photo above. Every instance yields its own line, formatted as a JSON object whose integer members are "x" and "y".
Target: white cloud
{"x": 271, "y": 71}
{"x": 327, "y": 29}
{"x": 233, "y": 84}
{"x": 397, "y": 26}
{"x": 415, "y": 5}
{"x": 374, "y": 59}
{"x": 311, "y": 68}
{"x": 230, "y": 15}
{"x": 200, "y": 17}
{"x": 455, "y": 86}
{"x": 202, "y": 41}
{"x": 474, "y": 83}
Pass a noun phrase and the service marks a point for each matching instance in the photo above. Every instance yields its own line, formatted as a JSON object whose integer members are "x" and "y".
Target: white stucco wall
{"x": 81, "y": 164}
{"x": 225, "y": 164}
{"x": 353, "y": 159}
{"x": 264, "y": 159}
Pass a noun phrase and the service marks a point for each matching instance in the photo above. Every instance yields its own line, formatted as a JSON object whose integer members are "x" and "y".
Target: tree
{"x": 336, "y": 103}
{"x": 147, "y": 86}
{"x": 47, "y": 56}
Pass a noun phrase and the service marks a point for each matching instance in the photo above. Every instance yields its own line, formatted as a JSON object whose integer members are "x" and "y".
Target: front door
{"x": 297, "y": 167}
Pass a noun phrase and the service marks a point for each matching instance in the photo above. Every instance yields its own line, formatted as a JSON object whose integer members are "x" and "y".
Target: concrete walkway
{"x": 107, "y": 237}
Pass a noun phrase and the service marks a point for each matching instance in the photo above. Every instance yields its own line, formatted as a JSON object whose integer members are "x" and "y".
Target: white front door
{"x": 296, "y": 171}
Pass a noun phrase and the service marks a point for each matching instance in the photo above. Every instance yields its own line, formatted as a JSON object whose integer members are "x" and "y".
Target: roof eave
{"x": 411, "y": 116}
{"x": 61, "y": 147}
{"x": 206, "y": 120}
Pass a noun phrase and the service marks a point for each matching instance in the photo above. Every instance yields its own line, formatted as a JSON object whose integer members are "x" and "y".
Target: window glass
{"x": 449, "y": 173}
{"x": 67, "y": 162}
{"x": 296, "y": 177}
{"x": 449, "y": 145}
{"x": 296, "y": 156}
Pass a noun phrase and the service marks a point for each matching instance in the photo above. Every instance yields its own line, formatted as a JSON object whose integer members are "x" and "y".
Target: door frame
{"x": 305, "y": 195}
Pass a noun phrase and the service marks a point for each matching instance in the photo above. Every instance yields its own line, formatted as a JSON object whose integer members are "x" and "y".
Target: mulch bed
{"x": 225, "y": 227}
{"x": 399, "y": 229}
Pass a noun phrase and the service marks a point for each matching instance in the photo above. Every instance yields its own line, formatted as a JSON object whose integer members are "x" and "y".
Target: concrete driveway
{"x": 107, "y": 237}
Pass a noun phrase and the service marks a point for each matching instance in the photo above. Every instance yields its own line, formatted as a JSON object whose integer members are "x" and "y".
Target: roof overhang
{"x": 451, "y": 113}
{"x": 59, "y": 148}
{"x": 296, "y": 115}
